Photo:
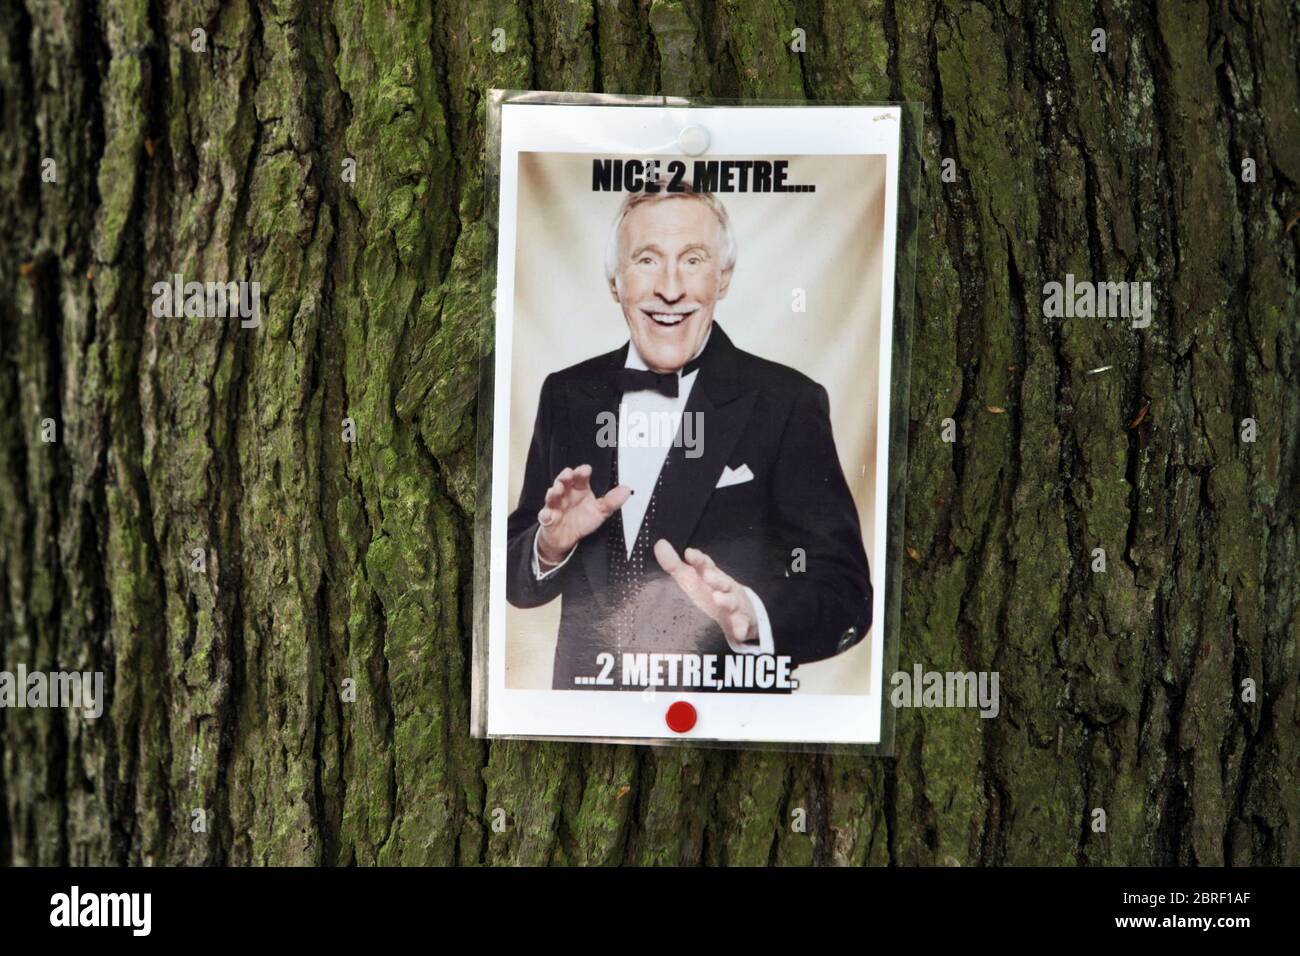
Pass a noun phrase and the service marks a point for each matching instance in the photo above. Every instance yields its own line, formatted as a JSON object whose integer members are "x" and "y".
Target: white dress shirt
{"x": 639, "y": 464}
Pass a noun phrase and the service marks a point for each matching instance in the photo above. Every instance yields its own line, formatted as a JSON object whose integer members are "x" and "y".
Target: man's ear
{"x": 724, "y": 282}
{"x": 613, "y": 290}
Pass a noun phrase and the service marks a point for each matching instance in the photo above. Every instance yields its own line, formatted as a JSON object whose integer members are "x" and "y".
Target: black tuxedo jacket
{"x": 756, "y": 413}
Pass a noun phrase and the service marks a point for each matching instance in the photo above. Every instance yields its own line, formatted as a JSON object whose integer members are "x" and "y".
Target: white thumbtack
{"x": 693, "y": 140}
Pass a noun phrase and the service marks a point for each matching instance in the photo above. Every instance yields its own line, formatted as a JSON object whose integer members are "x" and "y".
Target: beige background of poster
{"x": 827, "y": 243}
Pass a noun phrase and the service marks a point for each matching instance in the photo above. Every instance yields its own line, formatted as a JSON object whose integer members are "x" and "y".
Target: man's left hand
{"x": 711, "y": 590}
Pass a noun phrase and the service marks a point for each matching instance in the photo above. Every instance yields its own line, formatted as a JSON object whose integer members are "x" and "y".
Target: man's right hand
{"x": 572, "y": 512}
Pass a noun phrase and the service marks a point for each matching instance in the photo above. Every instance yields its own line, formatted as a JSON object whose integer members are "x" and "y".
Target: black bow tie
{"x": 644, "y": 380}
{"x": 637, "y": 380}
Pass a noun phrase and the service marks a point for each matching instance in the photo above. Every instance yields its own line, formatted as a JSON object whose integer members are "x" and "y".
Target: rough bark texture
{"x": 1120, "y": 691}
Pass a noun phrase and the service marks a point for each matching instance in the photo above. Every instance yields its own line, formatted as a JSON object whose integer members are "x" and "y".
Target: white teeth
{"x": 668, "y": 318}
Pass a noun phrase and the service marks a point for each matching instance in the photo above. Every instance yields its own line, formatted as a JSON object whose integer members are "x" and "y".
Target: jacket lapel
{"x": 724, "y": 405}
{"x": 690, "y": 482}
{"x": 592, "y": 397}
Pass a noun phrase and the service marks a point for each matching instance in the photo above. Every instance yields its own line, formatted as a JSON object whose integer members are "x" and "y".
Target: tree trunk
{"x": 226, "y": 739}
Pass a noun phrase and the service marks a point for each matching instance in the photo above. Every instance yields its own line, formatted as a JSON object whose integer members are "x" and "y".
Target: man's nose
{"x": 669, "y": 285}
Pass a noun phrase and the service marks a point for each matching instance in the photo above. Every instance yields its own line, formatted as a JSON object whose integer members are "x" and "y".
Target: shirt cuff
{"x": 764, "y": 644}
{"x": 538, "y": 573}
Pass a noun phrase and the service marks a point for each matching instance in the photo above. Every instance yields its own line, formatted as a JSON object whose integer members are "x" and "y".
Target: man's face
{"x": 670, "y": 275}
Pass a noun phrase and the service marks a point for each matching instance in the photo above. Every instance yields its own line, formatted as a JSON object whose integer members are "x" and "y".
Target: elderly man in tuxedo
{"x": 748, "y": 543}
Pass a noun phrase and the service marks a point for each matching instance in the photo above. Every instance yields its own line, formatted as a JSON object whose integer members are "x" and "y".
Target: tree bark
{"x": 326, "y": 561}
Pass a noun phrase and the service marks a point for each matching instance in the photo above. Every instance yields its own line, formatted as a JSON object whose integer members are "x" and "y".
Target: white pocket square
{"x": 735, "y": 476}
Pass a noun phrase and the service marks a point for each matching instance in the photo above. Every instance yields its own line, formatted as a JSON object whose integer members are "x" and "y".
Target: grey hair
{"x": 632, "y": 200}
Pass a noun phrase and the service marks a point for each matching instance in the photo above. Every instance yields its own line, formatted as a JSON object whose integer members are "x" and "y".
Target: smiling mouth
{"x": 669, "y": 319}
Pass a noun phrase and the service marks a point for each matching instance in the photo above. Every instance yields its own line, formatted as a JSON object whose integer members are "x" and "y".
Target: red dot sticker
{"x": 680, "y": 717}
